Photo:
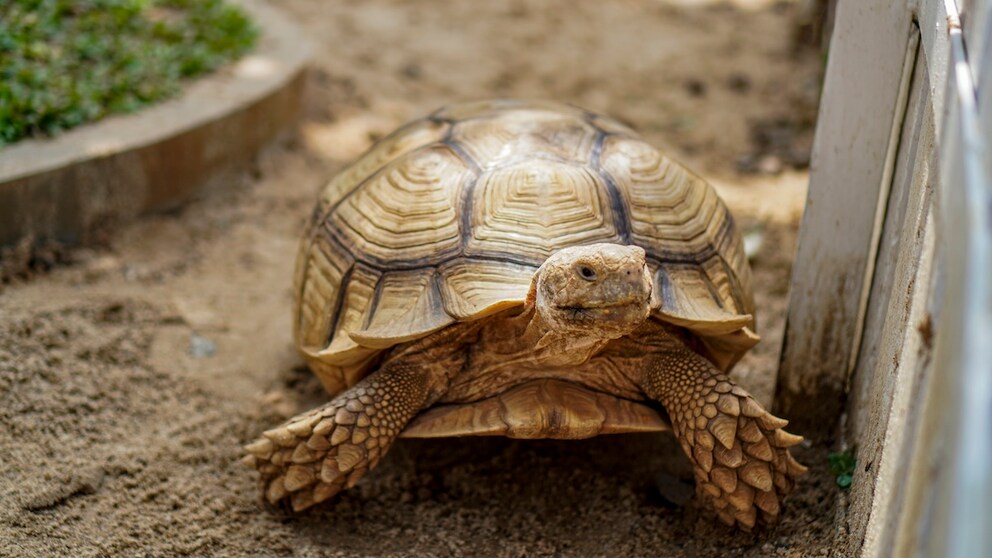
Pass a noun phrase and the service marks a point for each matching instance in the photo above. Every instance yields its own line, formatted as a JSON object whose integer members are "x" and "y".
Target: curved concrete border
{"x": 69, "y": 188}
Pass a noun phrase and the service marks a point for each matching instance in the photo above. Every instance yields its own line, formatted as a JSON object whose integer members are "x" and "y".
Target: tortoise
{"x": 532, "y": 270}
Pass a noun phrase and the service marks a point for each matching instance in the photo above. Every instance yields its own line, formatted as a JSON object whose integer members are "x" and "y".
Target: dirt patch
{"x": 129, "y": 379}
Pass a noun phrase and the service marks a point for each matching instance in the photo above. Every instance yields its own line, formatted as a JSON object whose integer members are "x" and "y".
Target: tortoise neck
{"x": 536, "y": 336}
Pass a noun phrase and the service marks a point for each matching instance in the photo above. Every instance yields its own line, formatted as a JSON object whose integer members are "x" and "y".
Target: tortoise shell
{"x": 448, "y": 219}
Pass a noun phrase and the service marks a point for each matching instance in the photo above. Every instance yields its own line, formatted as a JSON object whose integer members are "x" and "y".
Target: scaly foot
{"x": 740, "y": 452}
{"x": 317, "y": 454}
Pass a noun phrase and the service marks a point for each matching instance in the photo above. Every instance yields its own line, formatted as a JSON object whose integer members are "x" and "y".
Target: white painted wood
{"x": 948, "y": 501}
{"x": 859, "y": 112}
{"x": 979, "y": 44}
{"x": 964, "y": 502}
{"x": 980, "y": 67}
{"x": 975, "y": 15}
{"x": 894, "y": 356}
{"x": 911, "y": 155}
{"x": 894, "y": 276}
{"x": 932, "y": 21}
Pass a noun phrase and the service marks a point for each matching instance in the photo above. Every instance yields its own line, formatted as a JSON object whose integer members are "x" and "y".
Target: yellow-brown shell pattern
{"x": 448, "y": 218}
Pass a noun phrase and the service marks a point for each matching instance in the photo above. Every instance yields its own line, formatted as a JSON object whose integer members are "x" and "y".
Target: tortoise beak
{"x": 617, "y": 319}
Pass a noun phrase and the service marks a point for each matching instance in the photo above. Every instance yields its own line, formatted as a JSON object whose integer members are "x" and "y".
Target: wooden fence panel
{"x": 910, "y": 313}
{"x": 895, "y": 352}
{"x": 849, "y": 176}
{"x": 949, "y": 486}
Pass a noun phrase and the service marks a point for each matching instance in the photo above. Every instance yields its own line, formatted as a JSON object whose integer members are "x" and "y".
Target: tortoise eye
{"x": 587, "y": 273}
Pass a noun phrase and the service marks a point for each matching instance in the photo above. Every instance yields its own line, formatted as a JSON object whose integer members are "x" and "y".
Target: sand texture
{"x": 131, "y": 373}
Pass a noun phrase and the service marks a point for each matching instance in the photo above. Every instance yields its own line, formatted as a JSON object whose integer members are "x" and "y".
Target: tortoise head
{"x": 600, "y": 290}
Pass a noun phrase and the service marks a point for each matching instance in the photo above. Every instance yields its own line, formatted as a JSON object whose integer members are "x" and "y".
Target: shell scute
{"x": 409, "y": 210}
{"x": 510, "y": 211}
{"x": 492, "y": 141}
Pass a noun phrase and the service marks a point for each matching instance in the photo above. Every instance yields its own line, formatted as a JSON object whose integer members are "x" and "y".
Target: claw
{"x": 785, "y": 440}
{"x": 276, "y": 490}
{"x": 742, "y": 498}
{"x": 324, "y": 491}
{"x": 762, "y": 450}
{"x": 769, "y": 421}
{"x": 302, "y": 500}
{"x": 768, "y": 503}
{"x": 304, "y": 426}
{"x": 280, "y": 436}
{"x": 262, "y": 448}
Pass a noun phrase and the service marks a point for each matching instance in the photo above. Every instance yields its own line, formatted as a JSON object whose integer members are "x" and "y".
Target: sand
{"x": 132, "y": 372}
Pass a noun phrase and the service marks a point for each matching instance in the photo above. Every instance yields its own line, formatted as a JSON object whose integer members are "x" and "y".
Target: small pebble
{"x": 747, "y": 163}
{"x": 695, "y": 88}
{"x": 201, "y": 347}
{"x": 770, "y": 164}
{"x": 753, "y": 239}
{"x": 100, "y": 266}
{"x": 411, "y": 71}
{"x": 739, "y": 83}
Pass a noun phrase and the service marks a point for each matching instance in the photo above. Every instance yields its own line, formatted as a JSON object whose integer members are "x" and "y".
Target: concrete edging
{"x": 69, "y": 188}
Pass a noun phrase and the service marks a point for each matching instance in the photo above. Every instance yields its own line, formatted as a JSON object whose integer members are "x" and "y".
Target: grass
{"x": 67, "y": 62}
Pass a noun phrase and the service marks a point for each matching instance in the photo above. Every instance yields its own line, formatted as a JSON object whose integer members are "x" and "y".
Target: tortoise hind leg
{"x": 318, "y": 453}
{"x": 738, "y": 449}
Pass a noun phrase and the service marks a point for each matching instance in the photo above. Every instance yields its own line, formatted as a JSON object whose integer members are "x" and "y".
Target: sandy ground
{"x": 130, "y": 378}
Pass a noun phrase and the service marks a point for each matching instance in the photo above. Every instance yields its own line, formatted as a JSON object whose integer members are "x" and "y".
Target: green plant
{"x": 842, "y": 467}
{"x": 66, "y": 62}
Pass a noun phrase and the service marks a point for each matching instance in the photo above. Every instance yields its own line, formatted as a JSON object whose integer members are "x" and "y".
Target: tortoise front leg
{"x": 316, "y": 454}
{"x": 739, "y": 451}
